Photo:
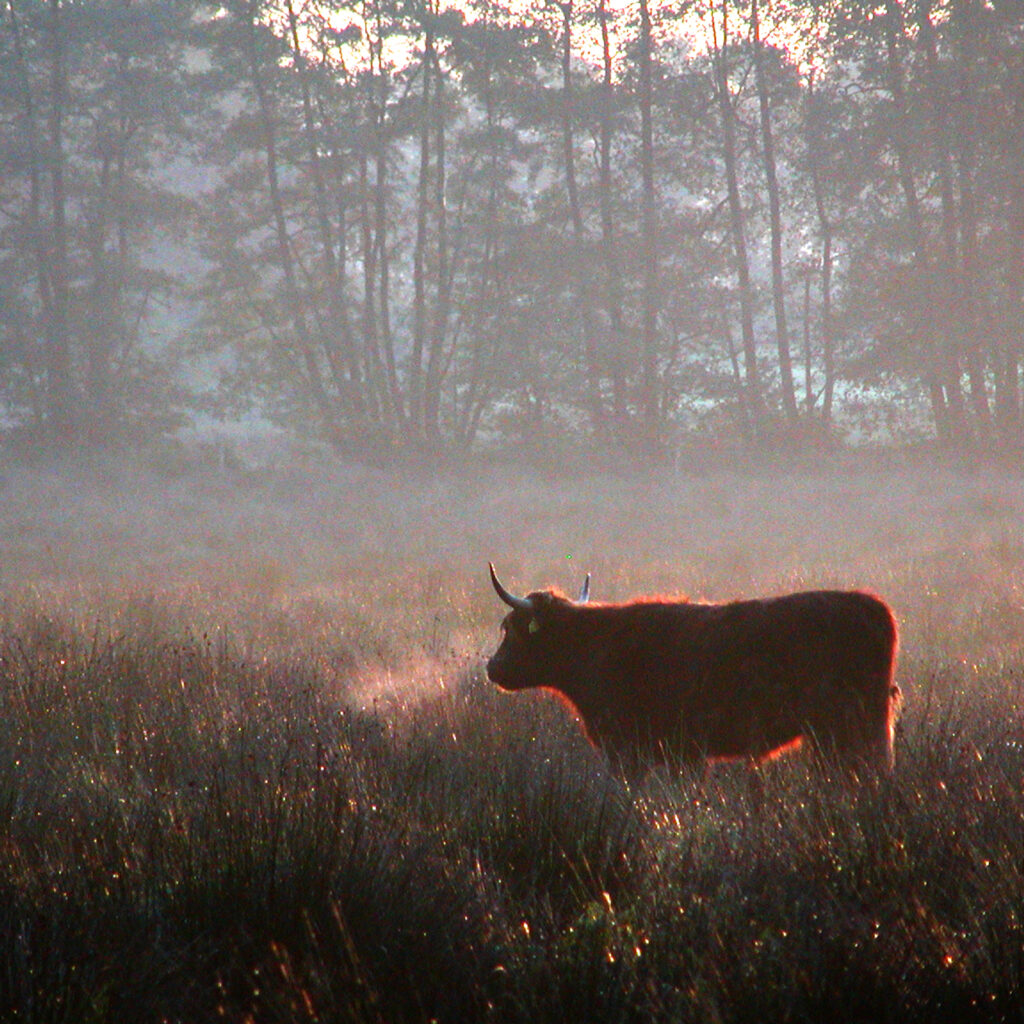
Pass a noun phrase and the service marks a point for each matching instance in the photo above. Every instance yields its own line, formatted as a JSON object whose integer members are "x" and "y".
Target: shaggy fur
{"x": 660, "y": 678}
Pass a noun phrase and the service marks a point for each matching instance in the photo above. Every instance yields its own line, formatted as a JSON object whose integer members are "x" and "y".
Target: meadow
{"x": 251, "y": 768}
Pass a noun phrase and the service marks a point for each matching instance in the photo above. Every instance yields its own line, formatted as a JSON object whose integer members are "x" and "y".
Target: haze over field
{"x": 938, "y": 542}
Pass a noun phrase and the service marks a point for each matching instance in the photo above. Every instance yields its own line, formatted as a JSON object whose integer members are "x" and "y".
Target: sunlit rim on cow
{"x": 658, "y": 679}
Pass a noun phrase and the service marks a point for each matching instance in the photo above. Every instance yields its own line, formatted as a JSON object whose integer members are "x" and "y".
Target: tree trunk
{"x": 744, "y": 418}
{"x": 775, "y": 216}
{"x": 383, "y": 264}
{"x": 337, "y": 338}
{"x": 649, "y": 296}
{"x": 375, "y": 370}
{"x": 808, "y": 366}
{"x": 380, "y": 287}
{"x": 755, "y": 400}
{"x": 300, "y": 326}
{"x": 947, "y": 403}
{"x": 1012, "y": 339}
{"x": 613, "y": 281}
{"x": 973, "y": 325}
{"x": 477, "y": 391}
{"x": 827, "y": 231}
{"x": 103, "y": 302}
{"x": 40, "y": 401}
{"x": 828, "y": 342}
{"x": 436, "y": 362}
{"x": 419, "y": 308}
{"x": 595, "y": 406}
{"x": 955, "y": 305}
{"x": 60, "y": 385}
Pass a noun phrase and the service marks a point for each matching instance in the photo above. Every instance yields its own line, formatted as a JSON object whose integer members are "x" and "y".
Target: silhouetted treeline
{"x": 413, "y": 227}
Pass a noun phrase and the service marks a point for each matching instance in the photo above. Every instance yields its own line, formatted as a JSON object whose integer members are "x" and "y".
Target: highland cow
{"x": 659, "y": 679}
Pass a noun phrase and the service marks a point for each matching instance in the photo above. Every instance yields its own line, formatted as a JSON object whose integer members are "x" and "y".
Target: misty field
{"x": 251, "y": 769}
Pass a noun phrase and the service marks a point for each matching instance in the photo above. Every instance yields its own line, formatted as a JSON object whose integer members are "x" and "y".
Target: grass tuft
{"x": 189, "y": 832}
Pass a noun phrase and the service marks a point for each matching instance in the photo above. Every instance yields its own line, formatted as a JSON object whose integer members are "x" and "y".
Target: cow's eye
{"x": 533, "y": 626}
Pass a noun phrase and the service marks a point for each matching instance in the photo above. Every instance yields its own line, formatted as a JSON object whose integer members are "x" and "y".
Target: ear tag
{"x": 533, "y": 626}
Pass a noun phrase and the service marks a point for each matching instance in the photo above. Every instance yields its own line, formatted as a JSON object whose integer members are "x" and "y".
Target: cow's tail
{"x": 888, "y": 697}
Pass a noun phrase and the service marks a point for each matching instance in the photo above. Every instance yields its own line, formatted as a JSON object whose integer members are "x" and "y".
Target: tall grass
{"x": 186, "y": 834}
{"x": 282, "y": 791}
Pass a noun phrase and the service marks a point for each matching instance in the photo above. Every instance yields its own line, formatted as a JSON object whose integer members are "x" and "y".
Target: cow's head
{"x": 534, "y": 640}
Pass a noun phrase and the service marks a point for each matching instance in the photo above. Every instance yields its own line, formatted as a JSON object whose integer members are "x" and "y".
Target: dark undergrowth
{"x": 188, "y": 835}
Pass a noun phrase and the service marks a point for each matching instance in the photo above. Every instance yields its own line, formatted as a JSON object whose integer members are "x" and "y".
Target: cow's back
{"x": 744, "y": 678}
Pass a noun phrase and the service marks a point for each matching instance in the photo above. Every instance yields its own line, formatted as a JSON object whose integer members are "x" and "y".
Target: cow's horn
{"x": 523, "y": 603}
{"x": 585, "y": 591}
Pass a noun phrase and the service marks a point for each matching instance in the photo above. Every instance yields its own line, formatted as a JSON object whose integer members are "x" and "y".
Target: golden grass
{"x": 249, "y": 766}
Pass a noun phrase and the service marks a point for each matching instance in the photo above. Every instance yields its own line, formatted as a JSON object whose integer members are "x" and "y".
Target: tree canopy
{"x": 407, "y": 227}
